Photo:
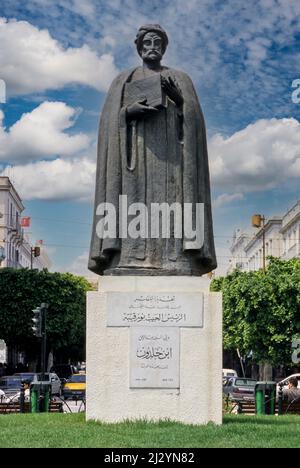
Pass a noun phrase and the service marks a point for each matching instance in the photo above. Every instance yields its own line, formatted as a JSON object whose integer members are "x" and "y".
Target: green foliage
{"x": 262, "y": 311}
{"x": 23, "y": 290}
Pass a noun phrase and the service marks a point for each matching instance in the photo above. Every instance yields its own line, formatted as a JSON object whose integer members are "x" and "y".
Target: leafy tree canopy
{"x": 262, "y": 310}
{"x": 23, "y": 290}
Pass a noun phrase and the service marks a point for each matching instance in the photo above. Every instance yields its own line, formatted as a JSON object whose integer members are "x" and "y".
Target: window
{"x": 245, "y": 383}
{"x": 11, "y": 215}
{"x": 77, "y": 379}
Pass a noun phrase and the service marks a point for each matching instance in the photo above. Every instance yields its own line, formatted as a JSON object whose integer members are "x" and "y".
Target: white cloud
{"x": 32, "y": 61}
{"x": 79, "y": 267}
{"x": 255, "y": 53}
{"x": 41, "y": 134}
{"x": 258, "y": 51}
{"x": 55, "y": 180}
{"x": 86, "y": 8}
{"x": 261, "y": 156}
{"x": 223, "y": 255}
{"x": 226, "y": 199}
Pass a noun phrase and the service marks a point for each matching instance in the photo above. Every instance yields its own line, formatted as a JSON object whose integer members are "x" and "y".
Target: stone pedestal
{"x": 149, "y": 356}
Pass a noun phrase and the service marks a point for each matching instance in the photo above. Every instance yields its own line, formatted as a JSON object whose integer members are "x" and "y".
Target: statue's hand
{"x": 172, "y": 90}
{"x": 140, "y": 110}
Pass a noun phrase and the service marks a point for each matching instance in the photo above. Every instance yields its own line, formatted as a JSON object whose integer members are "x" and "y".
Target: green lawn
{"x": 71, "y": 430}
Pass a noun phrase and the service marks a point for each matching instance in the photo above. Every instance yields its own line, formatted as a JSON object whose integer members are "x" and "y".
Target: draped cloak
{"x": 162, "y": 158}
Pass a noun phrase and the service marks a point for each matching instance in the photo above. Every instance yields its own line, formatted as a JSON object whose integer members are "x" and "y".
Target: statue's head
{"x": 151, "y": 42}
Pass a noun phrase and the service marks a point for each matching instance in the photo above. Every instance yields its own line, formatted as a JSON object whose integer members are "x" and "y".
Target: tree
{"x": 262, "y": 311}
{"x": 23, "y": 290}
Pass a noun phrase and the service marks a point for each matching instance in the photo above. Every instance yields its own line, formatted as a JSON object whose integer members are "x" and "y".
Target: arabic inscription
{"x": 154, "y": 357}
{"x": 163, "y": 309}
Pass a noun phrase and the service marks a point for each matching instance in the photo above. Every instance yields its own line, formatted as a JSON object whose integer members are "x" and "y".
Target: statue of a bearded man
{"x": 152, "y": 152}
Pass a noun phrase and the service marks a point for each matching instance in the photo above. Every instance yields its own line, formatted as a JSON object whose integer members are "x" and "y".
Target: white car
{"x": 229, "y": 373}
{"x": 51, "y": 377}
{"x": 16, "y": 397}
{"x": 285, "y": 381}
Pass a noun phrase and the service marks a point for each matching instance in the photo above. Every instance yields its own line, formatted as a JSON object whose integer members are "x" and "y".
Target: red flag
{"x": 40, "y": 242}
{"x": 25, "y": 222}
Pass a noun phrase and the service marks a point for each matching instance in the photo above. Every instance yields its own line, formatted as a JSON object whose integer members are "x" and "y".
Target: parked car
{"x": 10, "y": 385}
{"x": 75, "y": 387}
{"x": 16, "y": 397}
{"x": 229, "y": 373}
{"x": 285, "y": 381}
{"x": 26, "y": 376}
{"x": 240, "y": 388}
{"x": 56, "y": 386}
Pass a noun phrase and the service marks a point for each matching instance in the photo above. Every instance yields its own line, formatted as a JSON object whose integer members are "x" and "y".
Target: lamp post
{"x": 258, "y": 221}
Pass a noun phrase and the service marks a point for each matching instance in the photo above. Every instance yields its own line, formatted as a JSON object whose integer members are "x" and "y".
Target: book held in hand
{"x": 148, "y": 88}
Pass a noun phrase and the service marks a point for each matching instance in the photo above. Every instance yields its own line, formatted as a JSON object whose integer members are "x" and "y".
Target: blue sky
{"x": 58, "y": 58}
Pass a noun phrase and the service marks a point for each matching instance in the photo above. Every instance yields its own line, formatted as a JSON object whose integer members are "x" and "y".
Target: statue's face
{"x": 152, "y": 48}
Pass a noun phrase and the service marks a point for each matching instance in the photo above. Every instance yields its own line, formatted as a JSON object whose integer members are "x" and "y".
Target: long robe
{"x": 162, "y": 158}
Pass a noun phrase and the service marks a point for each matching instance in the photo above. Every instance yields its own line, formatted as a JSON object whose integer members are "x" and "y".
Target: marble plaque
{"x": 159, "y": 309}
{"x": 154, "y": 357}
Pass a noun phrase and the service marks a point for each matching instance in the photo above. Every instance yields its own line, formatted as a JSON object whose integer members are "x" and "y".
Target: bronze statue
{"x": 152, "y": 148}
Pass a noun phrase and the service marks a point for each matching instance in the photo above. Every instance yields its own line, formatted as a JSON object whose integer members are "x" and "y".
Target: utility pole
{"x": 258, "y": 221}
{"x": 241, "y": 362}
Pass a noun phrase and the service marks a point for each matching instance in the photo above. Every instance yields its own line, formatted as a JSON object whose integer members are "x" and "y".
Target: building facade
{"x": 238, "y": 256}
{"x": 290, "y": 232}
{"x": 281, "y": 236}
{"x": 15, "y": 245}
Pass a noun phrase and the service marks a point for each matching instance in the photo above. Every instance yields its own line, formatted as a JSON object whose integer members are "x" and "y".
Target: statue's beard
{"x": 152, "y": 55}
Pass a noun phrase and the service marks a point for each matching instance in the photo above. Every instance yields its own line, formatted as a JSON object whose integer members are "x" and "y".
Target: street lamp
{"x": 258, "y": 221}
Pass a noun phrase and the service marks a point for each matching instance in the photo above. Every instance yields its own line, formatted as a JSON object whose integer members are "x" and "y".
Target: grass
{"x": 71, "y": 430}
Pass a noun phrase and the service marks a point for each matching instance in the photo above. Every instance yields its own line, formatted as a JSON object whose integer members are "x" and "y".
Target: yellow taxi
{"x": 74, "y": 387}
